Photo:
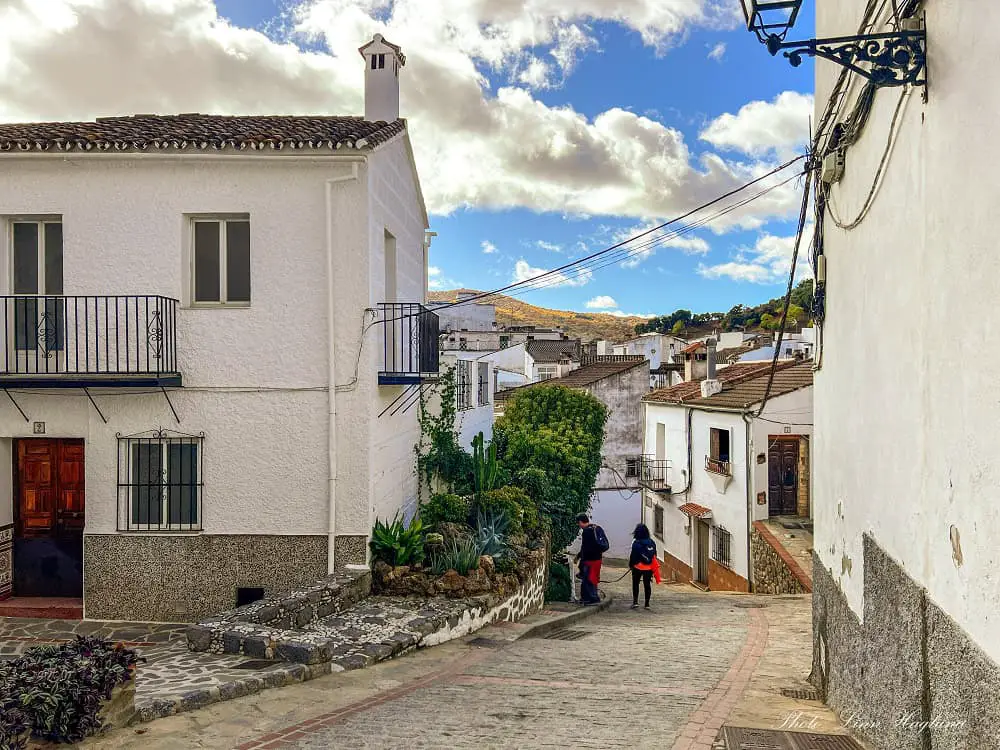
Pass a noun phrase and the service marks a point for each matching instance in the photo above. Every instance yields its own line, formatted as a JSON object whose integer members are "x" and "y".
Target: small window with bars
{"x": 463, "y": 384}
{"x": 722, "y": 546}
{"x": 160, "y": 481}
{"x": 631, "y": 468}
{"x": 483, "y": 371}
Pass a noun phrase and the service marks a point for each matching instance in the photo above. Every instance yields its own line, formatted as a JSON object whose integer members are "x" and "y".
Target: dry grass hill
{"x": 582, "y": 325}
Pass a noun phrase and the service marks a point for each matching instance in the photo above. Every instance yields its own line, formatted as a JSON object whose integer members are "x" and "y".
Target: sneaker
{"x": 635, "y": 606}
{"x": 646, "y": 607}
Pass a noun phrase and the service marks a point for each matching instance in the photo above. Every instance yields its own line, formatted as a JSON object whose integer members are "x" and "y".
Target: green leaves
{"x": 484, "y": 464}
{"x": 57, "y": 691}
{"x": 444, "y": 508}
{"x": 461, "y": 555}
{"x": 396, "y": 544}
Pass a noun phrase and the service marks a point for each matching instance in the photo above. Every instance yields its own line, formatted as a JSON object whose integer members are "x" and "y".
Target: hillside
{"x": 583, "y": 325}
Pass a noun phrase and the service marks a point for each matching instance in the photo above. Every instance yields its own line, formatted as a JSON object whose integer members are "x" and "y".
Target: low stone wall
{"x": 774, "y": 570}
{"x": 252, "y": 629}
{"x": 144, "y": 578}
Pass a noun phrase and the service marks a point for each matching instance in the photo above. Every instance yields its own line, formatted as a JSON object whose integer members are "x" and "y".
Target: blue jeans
{"x": 588, "y": 589}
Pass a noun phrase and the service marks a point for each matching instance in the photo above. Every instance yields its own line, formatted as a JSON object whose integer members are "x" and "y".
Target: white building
{"x": 467, "y": 325}
{"x": 207, "y": 321}
{"x": 713, "y": 465}
{"x": 906, "y": 587}
{"x": 475, "y": 378}
{"x": 619, "y": 383}
{"x": 544, "y": 359}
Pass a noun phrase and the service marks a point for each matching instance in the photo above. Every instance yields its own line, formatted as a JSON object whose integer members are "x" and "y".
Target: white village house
{"x": 205, "y": 319}
{"x": 712, "y": 465}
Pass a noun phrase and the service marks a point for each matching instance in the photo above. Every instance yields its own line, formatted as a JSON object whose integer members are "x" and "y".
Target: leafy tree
{"x": 678, "y": 328}
{"x": 549, "y": 441}
{"x": 769, "y": 322}
{"x": 802, "y": 295}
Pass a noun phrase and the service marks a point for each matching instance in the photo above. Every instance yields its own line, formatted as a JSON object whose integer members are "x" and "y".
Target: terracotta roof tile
{"x": 743, "y": 385}
{"x": 198, "y": 132}
{"x": 693, "y": 509}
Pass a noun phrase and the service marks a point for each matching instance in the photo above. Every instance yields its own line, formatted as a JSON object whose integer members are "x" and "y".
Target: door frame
{"x": 776, "y": 441}
{"x": 699, "y": 575}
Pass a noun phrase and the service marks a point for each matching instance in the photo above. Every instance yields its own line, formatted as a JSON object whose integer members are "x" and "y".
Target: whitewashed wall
{"x": 470, "y": 422}
{"x": 906, "y": 430}
{"x": 617, "y": 512}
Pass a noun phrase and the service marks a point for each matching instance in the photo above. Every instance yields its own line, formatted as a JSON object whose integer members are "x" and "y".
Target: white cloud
{"x": 767, "y": 262}
{"x": 488, "y": 247}
{"x": 437, "y": 281}
{"x": 620, "y": 314}
{"x": 717, "y": 52}
{"x": 549, "y": 246}
{"x": 602, "y": 302}
{"x": 85, "y": 58}
{"x": 524, "y": 271}
{"x": 761, "y": 128}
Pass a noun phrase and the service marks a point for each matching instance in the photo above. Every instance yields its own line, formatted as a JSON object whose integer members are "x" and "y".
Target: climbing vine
{"x": 442, "y": 465}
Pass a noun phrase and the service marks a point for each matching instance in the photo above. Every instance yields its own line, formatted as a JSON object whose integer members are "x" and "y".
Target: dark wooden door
{"x": 783, "y": 477}
{"x": 702, "y": 552}
{"x": 49, "y": 518}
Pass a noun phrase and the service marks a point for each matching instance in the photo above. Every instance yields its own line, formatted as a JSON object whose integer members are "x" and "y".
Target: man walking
{"x": 593, "y": 544}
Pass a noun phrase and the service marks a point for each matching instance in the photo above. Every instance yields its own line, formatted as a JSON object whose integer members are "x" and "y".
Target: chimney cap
{"x": 378, "y": 40}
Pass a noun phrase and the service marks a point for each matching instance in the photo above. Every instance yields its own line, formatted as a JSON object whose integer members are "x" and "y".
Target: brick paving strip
{"x": 705, "y": 723}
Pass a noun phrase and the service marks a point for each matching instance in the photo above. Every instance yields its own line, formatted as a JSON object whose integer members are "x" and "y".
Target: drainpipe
{"x": 748, "y": 422}
{"x": 332, "y": 371}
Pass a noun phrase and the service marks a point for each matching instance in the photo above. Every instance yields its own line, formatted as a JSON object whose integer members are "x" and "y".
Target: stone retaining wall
{"x": 774, "y": 570}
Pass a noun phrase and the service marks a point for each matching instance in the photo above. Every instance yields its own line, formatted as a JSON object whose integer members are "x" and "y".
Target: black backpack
{"x": 602, "y": 539}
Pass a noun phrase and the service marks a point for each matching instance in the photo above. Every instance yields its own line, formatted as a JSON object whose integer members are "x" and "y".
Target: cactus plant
{"x": 484, "y": 464}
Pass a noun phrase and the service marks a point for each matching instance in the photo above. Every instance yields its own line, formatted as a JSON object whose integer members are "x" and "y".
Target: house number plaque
{"x": 39, "y": 428}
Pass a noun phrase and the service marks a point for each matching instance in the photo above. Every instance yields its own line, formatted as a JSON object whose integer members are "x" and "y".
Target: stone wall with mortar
{"x": 774, "y": 570}
{"x": 349, "y": 550}
{"x": 906, "y": 676}
{"x": 186, "y": 578}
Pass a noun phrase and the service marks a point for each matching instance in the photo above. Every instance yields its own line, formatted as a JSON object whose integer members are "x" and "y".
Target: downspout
{"x": 332, "y": 371}
{"x": 748, "y": 422}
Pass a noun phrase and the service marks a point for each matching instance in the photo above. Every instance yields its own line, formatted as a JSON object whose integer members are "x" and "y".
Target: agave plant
{"x": 396, "y": 543}
{"x": 462, "y": 556}
{"x": 491, "y": 534}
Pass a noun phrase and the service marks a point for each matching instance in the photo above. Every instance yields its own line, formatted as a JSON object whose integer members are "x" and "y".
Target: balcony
{"x": 409, "y": 342}
{"x": 653, "y": 474}
{"x": 61, "y": 341}
{"x": 718, "y": 466}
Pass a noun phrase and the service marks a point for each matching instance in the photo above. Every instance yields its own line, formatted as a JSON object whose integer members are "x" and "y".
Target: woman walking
{"x": 643, "y": 563}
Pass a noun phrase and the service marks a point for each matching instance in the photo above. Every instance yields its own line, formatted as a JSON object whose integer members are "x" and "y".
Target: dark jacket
{"x": 643, "y": 551}
{"x": 589, "y": 548}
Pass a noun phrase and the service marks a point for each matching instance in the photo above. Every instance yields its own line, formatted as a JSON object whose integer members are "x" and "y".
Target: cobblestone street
{"x": 665, "y": 678}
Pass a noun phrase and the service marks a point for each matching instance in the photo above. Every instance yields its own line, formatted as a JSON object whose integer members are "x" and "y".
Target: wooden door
{"x": 49, "y": 518}
{"x": 783, "y": 477}
{"x": 702, "y": 552}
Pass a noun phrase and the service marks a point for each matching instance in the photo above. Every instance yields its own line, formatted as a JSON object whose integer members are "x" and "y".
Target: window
{"x": 631, "y": 468}
{"x": 484, "y": 382}
{"x": 221, "y": 262}
{"x": 546, "y": 373}
{"x": 658, "y": 521}
{"x": 37, "y": 270}
{"x": 722, "y": 546}
{"x": 160, "y": 482}
{"x": 718, "y": 460}
{"x": 463, "y": 384}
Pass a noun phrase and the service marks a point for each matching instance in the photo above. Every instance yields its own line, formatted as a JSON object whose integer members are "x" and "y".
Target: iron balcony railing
{"x": 410, "y": 349}
{"x": 51, "y": 340}
{"x": 653, "y": 474}
{"x": 718, "y": 466}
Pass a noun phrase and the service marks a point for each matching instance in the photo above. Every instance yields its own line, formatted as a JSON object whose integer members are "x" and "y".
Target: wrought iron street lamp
{"x": 896, "y": 58}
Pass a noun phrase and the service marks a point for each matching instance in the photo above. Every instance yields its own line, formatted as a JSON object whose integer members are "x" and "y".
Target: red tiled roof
{"x": 198, "y": 132}
{"x": 693, "y": 509}
{"x": 691, "y": 389}
{"x": 693, "y": 347}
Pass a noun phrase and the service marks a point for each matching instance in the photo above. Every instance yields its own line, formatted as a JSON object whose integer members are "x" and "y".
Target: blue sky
{"x": 543, "y": 129}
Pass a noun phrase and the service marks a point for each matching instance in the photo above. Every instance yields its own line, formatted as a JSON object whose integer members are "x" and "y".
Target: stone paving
{"x": 668, "y": 679}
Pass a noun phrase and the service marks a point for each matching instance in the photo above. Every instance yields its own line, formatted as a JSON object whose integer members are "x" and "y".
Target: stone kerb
{"x": 251, "y": 629}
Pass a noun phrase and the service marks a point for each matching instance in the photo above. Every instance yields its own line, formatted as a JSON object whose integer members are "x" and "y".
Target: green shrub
{"x": 461, "y": 556}
{"x": 395, "y": 543}
{"x": 58, "y": 690}
{"x": 514, "y": 503}
{"x": 444, "y": 508}
{"x": 560, "y": 583}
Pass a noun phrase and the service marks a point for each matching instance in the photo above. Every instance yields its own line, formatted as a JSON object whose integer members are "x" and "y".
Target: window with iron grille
{"x": 463, "y": 384}
{"x": 658, "y": 520}
{"x": 722, "y": 546}
{"x": 631, "y": 467}
{"x": 483, "y": 370}
{"x": 160, "y": 481}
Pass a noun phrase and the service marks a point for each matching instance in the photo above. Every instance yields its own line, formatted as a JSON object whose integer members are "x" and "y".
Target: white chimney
{"x": 710, "y": 386}
{"x": 382, "y": 63}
